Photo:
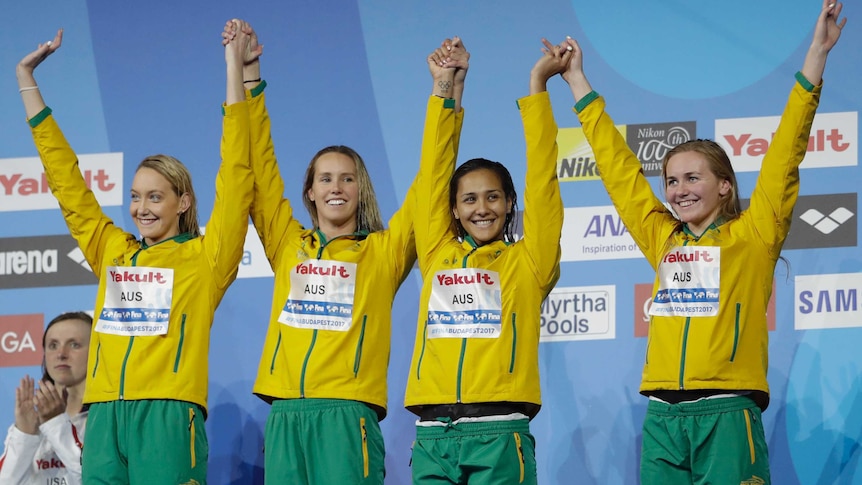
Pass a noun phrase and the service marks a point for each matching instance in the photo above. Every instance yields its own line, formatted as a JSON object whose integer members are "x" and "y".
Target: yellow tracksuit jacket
{"x": 472, "y": 370}
{"x": 729, "y": 350}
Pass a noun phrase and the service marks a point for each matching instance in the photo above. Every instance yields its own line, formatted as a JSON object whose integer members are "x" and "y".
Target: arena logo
{"x": 596, "y": 233}
{"x": 254, "y": 263}
{"x": 579, "y": 313}
{"x": 822, "y": 221}
{"x": 24, "y": 186}
{"x": 828, "y": 301}
{"x": 651, "y": 142}
{"x": 833, "y": 141}
{"x": 643, "y": 300}
{"x": 21, "y": 340}
{"x": 42, "y": 261}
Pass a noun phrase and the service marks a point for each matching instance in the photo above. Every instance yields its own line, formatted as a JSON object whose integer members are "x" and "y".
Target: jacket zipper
{"x": 305, "y": 363}
{"x": 358, "y": 357}
{"x": 131, "y": 341}
{"x": 180, "y": 344}
{"x": 463, "y": 342}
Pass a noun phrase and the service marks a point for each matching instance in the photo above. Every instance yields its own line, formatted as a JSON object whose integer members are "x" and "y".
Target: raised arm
{"x": 543, "y": 205}
{"x": 229, "y": 220}
{"x": 439, "y": 148}
{"x": 646, "y": 218}
{"x": 827, "y": 30}
{"x": 271, "y": 213}
{"x": 777, "y": 187}
{"x": 87, "y": 223}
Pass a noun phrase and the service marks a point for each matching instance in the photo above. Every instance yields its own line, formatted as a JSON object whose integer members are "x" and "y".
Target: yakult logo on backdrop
{"x": 23, "y": 185}
{"x": 21, "y": 340}
{"x": 828, "y": 301}
{"x": 643, "y": 300}
{"x": 833, "y": 141}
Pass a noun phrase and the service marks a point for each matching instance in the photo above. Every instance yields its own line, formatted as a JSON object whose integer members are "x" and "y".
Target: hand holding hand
{"x": 26, "y": 418}
{"x": 459, "y": 58}
{"x": 555, "y": 59}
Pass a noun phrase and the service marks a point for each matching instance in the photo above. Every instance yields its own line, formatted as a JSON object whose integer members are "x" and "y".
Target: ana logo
{"x": 826, "y": 224}
{"x": 20, "y": 340}
{"x": 651, "y": 142}
{"x": 579, "y": 313}
{"x": 828, "y": 301}
{"x": 32, "y": 262}
{"x": 254, "y": 263}
{"x": 591, "y": 233}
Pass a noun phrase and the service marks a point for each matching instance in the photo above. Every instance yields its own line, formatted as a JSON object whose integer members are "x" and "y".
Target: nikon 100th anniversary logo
{"x": 650, "y": 142}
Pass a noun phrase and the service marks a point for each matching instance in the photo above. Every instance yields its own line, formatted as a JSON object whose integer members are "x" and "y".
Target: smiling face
{"x": 481, "y": 206}
{"x": 67, "y": 343}
{"x": 334, "y": 192}
{"x": 155, "y": 206}
{"x": 693, "y": 190}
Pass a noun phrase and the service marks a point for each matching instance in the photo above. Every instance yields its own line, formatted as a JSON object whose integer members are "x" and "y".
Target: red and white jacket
{"x": 52, "y": 457}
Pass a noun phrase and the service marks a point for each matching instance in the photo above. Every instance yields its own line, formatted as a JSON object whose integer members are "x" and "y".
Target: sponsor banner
{"x": 254, "y": 263}
{"x": 643, "y": 301}
{"x": 596, "y": 233}
{"x": 651, "y": 142}
{"x": 833, "y": 141}
{"x": 576, "y": 161}
{"x": 42, "y": 261}
{"x": 822, "y": 221}
{"x": 579, "y": 313}
{"x": 23, "y": 185}
{"x": 21, "y": 340}
{"x": 828, "y": 301}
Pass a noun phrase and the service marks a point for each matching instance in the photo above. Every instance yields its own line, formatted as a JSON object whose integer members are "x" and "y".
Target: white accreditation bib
{"x": 137, "y": 301}
{"x": 465, "y": 303}
{"x": 321, "y": 295}
{"x": 689, "y": 280}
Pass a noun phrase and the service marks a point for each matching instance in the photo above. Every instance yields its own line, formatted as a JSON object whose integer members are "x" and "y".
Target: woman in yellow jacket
{"x": 325, "y": 358}
{"x": 147, "y": 368}
{"x": 474, "y": 377}
{"x": 706, "y": 362}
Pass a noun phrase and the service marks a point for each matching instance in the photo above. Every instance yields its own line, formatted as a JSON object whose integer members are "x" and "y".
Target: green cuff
{"x": 40, "y": 117}
{"x": 589, "y": 98}
{"x": 805, "y": 83}
{"x": 448, "y": 103}
{"x": 255, "y": 92}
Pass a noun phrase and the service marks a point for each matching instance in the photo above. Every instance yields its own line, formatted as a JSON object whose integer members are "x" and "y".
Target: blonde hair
{"x": 720, "y": 166}
{"x": 181, "y": 180}
{"x": 367, "y": 213}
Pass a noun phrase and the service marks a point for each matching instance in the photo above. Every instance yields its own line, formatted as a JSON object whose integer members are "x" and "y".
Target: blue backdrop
{"x": 137, "y": 79}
